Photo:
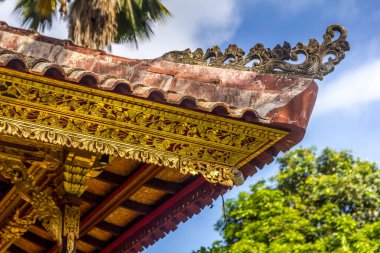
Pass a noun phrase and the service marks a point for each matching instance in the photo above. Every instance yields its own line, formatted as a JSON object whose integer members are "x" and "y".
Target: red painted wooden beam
{"x": 154, "y": 214}
{"x": 117, "y": 197}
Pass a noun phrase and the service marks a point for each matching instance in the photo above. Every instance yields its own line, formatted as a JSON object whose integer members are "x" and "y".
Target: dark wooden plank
{"x": 137, "y": 207}
{"x": 15, "y": 249}
{"x": 110, "y": 177}
{"x": 4, "y": 188}
{"x": 162, "y": 185}
{"x": 18, "y": 146}
{"x": 33, "y": 238}
{"x": 91, "y": 198}
{"x": 4, "y": 185}
{"x": 109, "y": 227}
{"x": 93, "y": 241}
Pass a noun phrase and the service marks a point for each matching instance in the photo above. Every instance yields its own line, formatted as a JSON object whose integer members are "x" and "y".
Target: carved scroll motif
{"x": 214, "y": 173}
{"x": 16, "y": 226}
{"x": 42, "y": 201}
{"x": 74, "y": 175}
{"x": 71, "y": 226}
{"x": 155, "y": 134}
{"x": 276, "y": 60}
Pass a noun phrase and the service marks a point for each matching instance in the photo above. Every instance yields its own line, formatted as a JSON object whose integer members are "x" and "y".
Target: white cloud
{"x": 195, "y": 23}
{"x": 351, "y": 90}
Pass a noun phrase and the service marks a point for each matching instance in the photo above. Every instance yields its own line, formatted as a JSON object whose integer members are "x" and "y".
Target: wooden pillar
{"x": 70, "y": 233}
{"x": 71, "y": 182}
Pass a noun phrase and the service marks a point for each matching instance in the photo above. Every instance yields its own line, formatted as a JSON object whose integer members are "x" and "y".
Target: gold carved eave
{"x": 58, "y": 112}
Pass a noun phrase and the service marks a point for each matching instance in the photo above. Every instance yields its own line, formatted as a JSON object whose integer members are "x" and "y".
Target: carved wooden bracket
{"x": 42, "y": 202}
{"x": 73, "y": 176}
{"x": 15, "y": 226}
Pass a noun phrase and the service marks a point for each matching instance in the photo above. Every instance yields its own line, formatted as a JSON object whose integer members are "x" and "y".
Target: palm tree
{"x": 95, "y": 23}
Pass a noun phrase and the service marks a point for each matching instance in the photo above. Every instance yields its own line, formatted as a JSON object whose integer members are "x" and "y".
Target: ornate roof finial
{"x": 276, "y": 60}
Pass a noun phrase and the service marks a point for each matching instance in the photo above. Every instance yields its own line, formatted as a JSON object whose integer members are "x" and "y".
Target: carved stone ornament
{"x": 276, "y": 60}
{"x": 46, "y": 209}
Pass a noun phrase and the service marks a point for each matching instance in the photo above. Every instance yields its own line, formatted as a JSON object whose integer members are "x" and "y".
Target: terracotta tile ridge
{"x": 65, "y": 43}
{"x": 43, "y": 67}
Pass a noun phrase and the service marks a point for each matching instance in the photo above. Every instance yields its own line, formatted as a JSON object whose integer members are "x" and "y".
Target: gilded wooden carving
{"x": 276, "y": 60}
{"x": 42, "y": 201}
{"x": 74, "y": 174}
{"x": 107, "y": 123}
{"x": 71, "y": 226}
{"x": 16, "y": 226}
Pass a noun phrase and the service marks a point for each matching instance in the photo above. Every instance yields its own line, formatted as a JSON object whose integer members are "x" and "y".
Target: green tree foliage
{"x": 325, "y": 203}
{"x": 95, "y": 23}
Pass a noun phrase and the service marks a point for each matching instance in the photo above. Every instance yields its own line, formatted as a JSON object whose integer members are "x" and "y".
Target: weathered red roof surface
{"x": 276, "y": 100}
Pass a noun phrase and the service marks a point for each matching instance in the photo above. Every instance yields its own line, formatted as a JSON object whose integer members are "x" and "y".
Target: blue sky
{"x": 346, "y": 114}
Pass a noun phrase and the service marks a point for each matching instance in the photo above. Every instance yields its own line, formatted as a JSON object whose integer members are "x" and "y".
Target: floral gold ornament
{"x": 46, "y": 209}
{"x": 71, "y": 226}
{"x": 16, "y": 226}
{"x": 74, "y": 174}
{"x": 73, "y": 116}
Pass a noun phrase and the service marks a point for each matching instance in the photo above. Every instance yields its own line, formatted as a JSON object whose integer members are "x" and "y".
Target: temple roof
{"x": 272, "y": 92}
{"x": 284, "y": 98}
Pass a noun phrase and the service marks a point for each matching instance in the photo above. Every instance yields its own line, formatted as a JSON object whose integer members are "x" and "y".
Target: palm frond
{"x": 136, "y": 17}
{"x": 36, "y": 14}
{"x": 154, "y": 9}
{"x": 96, "y": 23}
{"x": 46, "y": 7}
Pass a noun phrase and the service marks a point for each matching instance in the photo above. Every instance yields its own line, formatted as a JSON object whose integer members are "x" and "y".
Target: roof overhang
{"x": 59, "y": 112}
{"x": 65, "y": 109}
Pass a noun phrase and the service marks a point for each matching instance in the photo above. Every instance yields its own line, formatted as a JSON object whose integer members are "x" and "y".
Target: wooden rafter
{"x": 154, "y": 214}
{"x": 15, "y": 249}
{"x": 131, "y": 184}
{"x": 110, "y": 228}
{"x": 110, "y": 177}
{"x": 118, "y": 196}
{"x": 33, "y": 238}
{"x": 162, "y": 185}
